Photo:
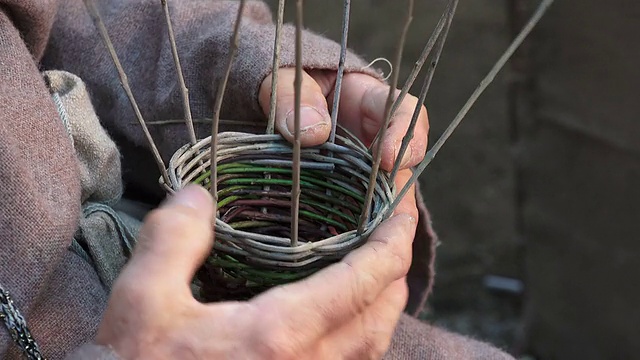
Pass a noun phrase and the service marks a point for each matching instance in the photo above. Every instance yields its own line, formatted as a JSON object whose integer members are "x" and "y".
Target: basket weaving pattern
{"x": 252, "y": 248}
{"x": 283, "y": 211}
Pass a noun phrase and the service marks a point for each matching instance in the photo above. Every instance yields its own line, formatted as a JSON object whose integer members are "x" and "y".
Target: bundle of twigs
{"x": 284, "y": 212}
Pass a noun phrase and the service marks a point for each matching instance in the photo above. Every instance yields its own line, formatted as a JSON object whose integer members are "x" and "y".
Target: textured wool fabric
{"x": 44, "y": 181}
{"x": 414, "y": 340}
{"x": 103, "y": 238}
{"x": 97, "y": 155}
{"x": 40, "y": 194}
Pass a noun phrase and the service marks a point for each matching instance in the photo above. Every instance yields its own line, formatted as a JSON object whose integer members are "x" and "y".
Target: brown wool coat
{"x": 43, "y": 181}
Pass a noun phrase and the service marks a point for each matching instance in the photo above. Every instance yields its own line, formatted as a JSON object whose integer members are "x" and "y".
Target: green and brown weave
{"x": 253, "y": 250}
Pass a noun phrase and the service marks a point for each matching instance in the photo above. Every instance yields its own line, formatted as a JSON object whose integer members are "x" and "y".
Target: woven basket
{"x": 252, "y": 250}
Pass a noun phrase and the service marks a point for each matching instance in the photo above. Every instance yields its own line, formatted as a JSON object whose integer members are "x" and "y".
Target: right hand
{"x": 347, "y": 310}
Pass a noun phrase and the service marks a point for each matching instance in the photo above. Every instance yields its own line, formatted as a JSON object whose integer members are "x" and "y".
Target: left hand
{"x": 361, "y": 111}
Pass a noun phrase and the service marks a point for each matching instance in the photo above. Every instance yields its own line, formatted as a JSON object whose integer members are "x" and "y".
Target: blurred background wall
{"x": 580, "y": 156}
{"x": 536, "y": 197}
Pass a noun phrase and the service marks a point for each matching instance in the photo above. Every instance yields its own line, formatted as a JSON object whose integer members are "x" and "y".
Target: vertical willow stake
{"x": 97, "y": 20}
{"x": 275, "y": 67}
{"x": 295, "y": 187}
{"x": 274, "y": 81}
{"x": 417, "y": 66}
{"x": 424, "y": 90}
{"x": 431, "y": 154}
{"x": 233, "y": 48}
{"x": 343, "y": 55}
{"x": 346, "y": 10}
{"x": 377, "y": 156}
{"x": 183, "y": 87}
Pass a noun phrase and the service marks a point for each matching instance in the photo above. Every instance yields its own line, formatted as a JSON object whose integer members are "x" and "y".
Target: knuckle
{"x": 376, "y": 341}
{"x": 401, "y": 259}
{"x": 381, "y": 93}
{"x": 271, "y": 337}
{"x": 369, "y": 99}
{"x": 378, "y": 350}
{"x": 129, "y": 290}
{"x": 397, "y": 252}
{"x": 362, "y": 284}
{"x": 276, "y": 344}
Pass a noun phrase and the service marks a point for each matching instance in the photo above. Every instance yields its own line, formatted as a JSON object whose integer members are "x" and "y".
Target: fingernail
{"x": 192, "y": 196}
{"x": 309, "y": 118}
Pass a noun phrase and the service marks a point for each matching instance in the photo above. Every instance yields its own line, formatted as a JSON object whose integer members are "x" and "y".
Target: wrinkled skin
{"x": 348, "y": 310}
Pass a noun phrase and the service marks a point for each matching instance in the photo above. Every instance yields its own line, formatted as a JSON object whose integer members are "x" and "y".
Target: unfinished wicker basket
{"x": 253, "y": 249}
{"x": 284, "y": 212}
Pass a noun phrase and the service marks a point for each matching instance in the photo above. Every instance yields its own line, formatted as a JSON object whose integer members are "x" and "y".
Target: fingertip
{"x": 175, "y": 238}
{"x": 400, "y": 224}
{"x": 405, "y": 220}
{"x": 195, "y": 197}
{"x": 315, "y": 137}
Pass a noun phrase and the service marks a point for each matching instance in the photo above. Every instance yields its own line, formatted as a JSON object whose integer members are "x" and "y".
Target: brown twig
{"x": 377, "y": 157}
{"x": 97, "y": 20}
{"x": 274, "y": 78}
{"x": 417, "y": 66}
{"x": 340, "y": 74}
{"x": 206, "y": 121}
{"x": 449, "y": 14}
{"x": 295, "y": 188}
{"x": 275, "y": 67}
{"x": 183, "y": 87}
{"x": 233, "y": 48}
{"x": 542, "y": 9}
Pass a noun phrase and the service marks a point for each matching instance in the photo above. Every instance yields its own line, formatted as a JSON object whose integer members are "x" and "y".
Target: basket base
{"x": 216, "y": 286}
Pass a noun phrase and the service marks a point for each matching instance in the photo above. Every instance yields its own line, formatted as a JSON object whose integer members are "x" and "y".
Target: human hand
{"x": 362, "y": 104}
{"x": 347, "y": 310}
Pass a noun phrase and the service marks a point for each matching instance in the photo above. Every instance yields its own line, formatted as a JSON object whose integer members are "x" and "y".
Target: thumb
{"x": 315, "y": 121}
{"x": 175, "y": 239}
